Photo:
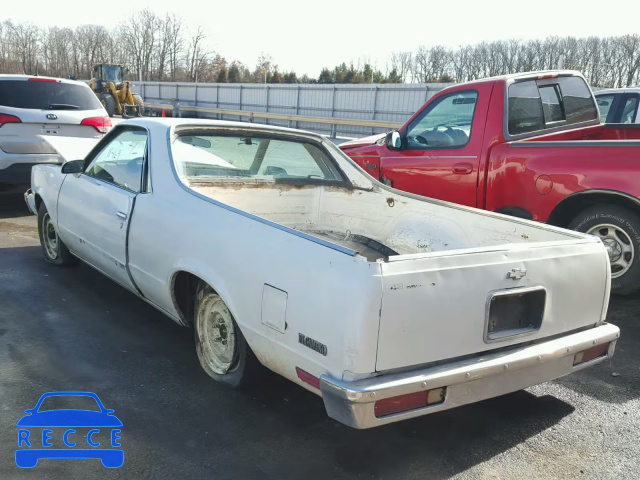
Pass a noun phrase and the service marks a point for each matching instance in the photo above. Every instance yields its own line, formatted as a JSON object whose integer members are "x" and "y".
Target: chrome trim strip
{"x": 264, "y": 221}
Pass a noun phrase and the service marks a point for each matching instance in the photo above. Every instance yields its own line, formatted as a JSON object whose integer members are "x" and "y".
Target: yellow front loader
{"x": 114, "y": 93}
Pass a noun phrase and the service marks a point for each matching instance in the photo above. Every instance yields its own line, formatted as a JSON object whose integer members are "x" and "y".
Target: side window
{"x": 444, "y": 124}
{"x": 536, "y": 105}
{"x": 525, "y": 108}
{"x": 121, "y": 161}
{"x": 551, "y": 105}
{"x": 578, "y": 100}
{"x": 629, "y": 110}
{"x": 604, "y": 105}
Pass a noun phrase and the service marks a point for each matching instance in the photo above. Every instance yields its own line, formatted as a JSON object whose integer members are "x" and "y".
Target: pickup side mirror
{"x": 74, "y": 166}
{"x": 393, "y": 140}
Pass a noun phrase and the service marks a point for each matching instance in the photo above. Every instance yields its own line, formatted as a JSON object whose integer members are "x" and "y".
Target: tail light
{"x": 591, "y": 354}
{"x": 45, "y": 80}
{"x": 8, "y": 119}
{"x": 306, "y": 377}
{"x": 411, "y": 401}
{"x": 101, "y": 124}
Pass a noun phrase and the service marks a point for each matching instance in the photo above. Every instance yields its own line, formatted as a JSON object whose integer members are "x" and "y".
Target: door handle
{"x": 462, "y": 168}
{"x": 122, "y": 215}
{"x": 372, "y": 166}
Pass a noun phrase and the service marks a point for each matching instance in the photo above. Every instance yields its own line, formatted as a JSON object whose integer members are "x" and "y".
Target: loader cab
{"x": 104, "y": 73}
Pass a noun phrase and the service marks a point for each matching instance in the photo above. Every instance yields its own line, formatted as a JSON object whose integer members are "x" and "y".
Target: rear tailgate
{"x": 436, "y": 306}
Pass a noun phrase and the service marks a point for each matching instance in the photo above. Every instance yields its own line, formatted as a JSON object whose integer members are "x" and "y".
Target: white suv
{"x": 33, "y": 106}
{"x": 619, "y": 105}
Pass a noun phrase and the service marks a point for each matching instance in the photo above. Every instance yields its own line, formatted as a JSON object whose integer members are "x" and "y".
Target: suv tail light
{"x": 46, "y": 80}
{"x": 101, "y": 124}
{"x": 8, "y": 119}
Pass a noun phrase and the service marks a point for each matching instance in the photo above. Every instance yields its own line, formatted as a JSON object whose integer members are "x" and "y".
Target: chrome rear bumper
{"x": 466, "y": 381}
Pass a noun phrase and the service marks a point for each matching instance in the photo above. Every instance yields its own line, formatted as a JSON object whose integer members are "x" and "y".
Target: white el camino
{"x": 278, "y": 250}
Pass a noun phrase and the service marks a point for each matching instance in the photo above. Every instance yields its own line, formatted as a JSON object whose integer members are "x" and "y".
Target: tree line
{"x": 162, "y": 48}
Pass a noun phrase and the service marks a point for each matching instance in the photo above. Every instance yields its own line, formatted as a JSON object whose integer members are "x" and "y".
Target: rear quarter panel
{"x": 46, "y": 181}
{"x": 538, "y": 176}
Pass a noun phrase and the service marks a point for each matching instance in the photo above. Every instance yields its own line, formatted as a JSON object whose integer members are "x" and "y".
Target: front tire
{"x": 222, "y": 350}
{"x": 619, "y": 230}
{"x": 109, "y": 103}
{"x": 53, "y": 248}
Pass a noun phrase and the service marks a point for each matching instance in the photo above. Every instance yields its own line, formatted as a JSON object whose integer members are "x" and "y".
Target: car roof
{"x": 169, "y": 122}
{"x": 609, "y": 91}
{"x": 9, "y": 76}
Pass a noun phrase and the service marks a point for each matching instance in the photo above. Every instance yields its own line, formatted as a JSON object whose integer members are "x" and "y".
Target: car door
{"x": 94, "y": 207}
{"x": 441, "y": 148}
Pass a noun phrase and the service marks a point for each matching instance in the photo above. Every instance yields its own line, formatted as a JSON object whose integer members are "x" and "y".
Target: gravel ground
{"x": 73, "y": 329}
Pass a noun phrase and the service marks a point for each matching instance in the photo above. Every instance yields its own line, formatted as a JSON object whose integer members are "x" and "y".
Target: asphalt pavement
{"x": 73, "y": 329}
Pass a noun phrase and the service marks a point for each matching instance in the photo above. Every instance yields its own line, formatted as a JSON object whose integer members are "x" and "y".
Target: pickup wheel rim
{"x": 49, "y": 237}
{"x": 216, "y": 335}
{"x": 619, "y": 247}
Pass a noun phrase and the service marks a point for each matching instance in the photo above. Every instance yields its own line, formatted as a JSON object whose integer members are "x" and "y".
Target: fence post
{"x": 218, "y": 100}
{"x": 240, "y": 118}
{"x": 196, "y": 99}
{"x": 297, "y": 104}
{"x": 373, "y": 110}
{"x": 177, "y": 93}
{"x": 266, "y": 120}
{"x": 333, "y": 104}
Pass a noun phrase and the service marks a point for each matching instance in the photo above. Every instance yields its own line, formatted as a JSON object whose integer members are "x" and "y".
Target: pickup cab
{"x": 528, "y": 145}
{"x": 278, "y": 250}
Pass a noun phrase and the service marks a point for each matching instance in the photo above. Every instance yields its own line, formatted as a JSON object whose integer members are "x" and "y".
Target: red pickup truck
{"x": 529, "y": 145}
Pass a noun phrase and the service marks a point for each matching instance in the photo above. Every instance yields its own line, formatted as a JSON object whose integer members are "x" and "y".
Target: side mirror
{"x": 393, "y": 140}
{"x": 74, "y": 166}
{"x": 29, "y": 410}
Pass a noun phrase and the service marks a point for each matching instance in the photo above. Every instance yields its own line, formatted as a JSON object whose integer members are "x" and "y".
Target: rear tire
{"x": 109, "y": 103}
{"x": 140, "y": 103}
{"x": 222, "y": 350}
{"x": 619, "y": 230}
{"x": 53, "y": 248}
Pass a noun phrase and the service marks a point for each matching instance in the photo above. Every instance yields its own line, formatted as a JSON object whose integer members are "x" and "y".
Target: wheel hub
{"x": 216, "y": 335}
{"x": 619, "y": 247}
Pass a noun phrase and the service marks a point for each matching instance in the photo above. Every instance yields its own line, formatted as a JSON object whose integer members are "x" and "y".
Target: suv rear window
{"x": 535, "y": 105}
{"x": 47, "y": 95}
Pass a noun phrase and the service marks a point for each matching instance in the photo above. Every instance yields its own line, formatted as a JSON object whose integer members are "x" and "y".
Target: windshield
{"x": 69, "y": 402}
{"x": 112, "y": 73}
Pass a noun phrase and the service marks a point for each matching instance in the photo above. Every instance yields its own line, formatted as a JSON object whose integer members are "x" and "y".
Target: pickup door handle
{"x": 122, "y": 215}
{"x": 462, "y": 168}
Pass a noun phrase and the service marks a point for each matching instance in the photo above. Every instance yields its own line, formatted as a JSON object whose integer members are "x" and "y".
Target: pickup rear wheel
{"x": 53, "y": 248}
{"x": 222, "y": 350}
{"x": 619, "y": 230}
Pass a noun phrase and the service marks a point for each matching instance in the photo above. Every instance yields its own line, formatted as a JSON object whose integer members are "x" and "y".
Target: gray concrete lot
{"x": 73, "y": 329}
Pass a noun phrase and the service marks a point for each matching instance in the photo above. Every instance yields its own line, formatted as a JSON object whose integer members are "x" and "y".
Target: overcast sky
{"x": 308, "y": 35}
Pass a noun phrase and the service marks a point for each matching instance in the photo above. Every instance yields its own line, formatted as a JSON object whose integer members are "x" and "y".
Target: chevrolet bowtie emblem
{"x": 517, "y": 273}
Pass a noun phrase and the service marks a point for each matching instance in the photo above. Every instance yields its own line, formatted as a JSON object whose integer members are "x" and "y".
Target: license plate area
{"x": 514, "y": 312}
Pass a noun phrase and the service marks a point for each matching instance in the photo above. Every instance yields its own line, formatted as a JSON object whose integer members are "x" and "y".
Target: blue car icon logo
{"x": 91, "y": 431}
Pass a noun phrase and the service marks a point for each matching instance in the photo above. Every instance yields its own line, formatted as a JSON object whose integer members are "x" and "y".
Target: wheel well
{"x": 183, "y": 291}
{"x": 38, "y": 200}
{"x": 566, "y": 210}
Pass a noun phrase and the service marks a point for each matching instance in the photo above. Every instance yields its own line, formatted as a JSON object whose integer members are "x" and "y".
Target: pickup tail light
{"x": 101, "y": 124}
{"x": 591, "y": 354}
{"x": 8, "y": 119}
{"x": 306, "y": 377}
{"x": 410, "y": 401}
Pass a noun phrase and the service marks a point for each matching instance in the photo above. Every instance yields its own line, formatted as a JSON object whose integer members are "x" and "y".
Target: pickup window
{"x": 222, "y": 157}
{"x": 444, "y": 124}
{"x": 536, "y": 105}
